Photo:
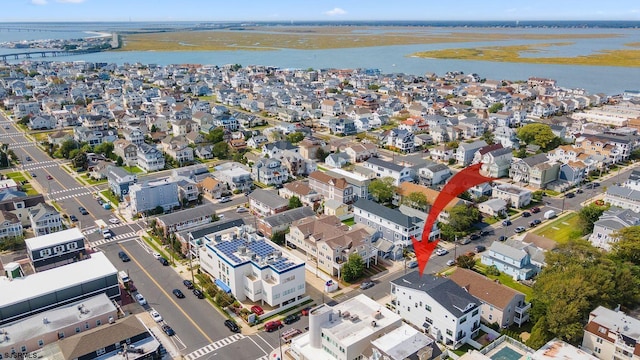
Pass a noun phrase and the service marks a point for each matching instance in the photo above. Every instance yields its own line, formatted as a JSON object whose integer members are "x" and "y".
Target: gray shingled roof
{"x": 289, "y": 216}
{"x": 508, "y": 251}
{"x": 635, "y": 175}
{"x": 269, "y": 198}
{"x": 445, "y": 291}
{"x": 385, "y": 164}
{"x": 213, "y": 228}
{"x": 536, "y": 159}
{"x": 384, "y": 212}
{"x": 179, "y": 216}
{"x": 623, "y": 192}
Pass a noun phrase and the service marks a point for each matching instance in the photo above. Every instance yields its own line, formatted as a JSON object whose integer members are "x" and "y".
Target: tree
{"x": 496, "y": 107}
{"x": 539, "y": 134}
{"x": 466, "y": 261}
{"x": 106, "y": 148}
{"x": 294, "y": 202}
{"x": 353, "y": 268}
{"x": 521, "y": 153}
{"x": 295, "y": 137}
{"x": 278, "y": 237}
{"x": 80, "y": 161}
{"x": 488, "y": 137}
{"x": 383, "y": 189}
{"x": 537, "y": 195}
{"x": 461, "y": 220}
{"x": 220, "y": 150}
{"x": 627, "y": 246}
{"x": 416, "y": 200}
{"x": 321, "y": 154}
{"x": 468, "y": 103}
{"x": 66, "y": 147}
{"x": 119, "y": 161}
{"x": 223, "y": 299}
{"x": 588, "y": 215}
{"x": 215, "y": 135}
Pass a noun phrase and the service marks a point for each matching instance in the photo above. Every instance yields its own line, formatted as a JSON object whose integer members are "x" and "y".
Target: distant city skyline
{"x": 290, "y": 10}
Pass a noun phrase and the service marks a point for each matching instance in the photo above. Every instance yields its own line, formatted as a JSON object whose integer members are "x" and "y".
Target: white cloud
{"x": 70, "y": 1}
{"x": 39, "y": 2}
{"x": 335, "y": 12}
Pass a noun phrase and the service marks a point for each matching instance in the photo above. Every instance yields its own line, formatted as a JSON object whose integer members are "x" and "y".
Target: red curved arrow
{"x": 458, "y": 184}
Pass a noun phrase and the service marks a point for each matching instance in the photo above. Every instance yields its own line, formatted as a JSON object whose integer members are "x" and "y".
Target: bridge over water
{"x": 44, "y": 54}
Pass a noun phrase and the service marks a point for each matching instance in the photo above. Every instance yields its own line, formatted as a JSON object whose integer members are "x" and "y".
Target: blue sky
{"x": 300, "y": 10}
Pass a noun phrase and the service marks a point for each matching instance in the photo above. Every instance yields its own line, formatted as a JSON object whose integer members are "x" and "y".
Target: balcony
{"x": 523, "y": 309}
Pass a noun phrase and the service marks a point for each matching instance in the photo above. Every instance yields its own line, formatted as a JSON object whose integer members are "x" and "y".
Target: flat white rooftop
{"x": 58, "y": 318}
{"x": 402, "y": 342}
{"x": 45, "y": 282}
{"x": 557, "y": 349}
{"x": 348, "y": 174}
{"x": 49, "y": 240}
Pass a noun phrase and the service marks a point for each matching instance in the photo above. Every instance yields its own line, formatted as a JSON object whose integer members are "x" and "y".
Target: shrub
{"x": 493, "y": 270}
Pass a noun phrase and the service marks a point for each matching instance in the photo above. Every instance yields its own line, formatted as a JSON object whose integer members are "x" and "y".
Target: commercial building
{"x": 345, "y": 331}
{"x": 250, "y": 267}
{"x": 26, "y": 296}
{"x": 57, "y": 249}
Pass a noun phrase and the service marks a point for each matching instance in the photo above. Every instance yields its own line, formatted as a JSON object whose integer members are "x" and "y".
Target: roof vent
{"x": 377, "y": 315}
{"x": 345, "y": 314}
{"x": 354, "y": 318}
{"x": 45, "y": 320}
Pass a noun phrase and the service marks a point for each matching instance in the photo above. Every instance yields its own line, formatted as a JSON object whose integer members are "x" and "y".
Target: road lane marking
{"x": 166, "y": 294}
{"x": 259, "y": 347}
{"x": 265, "y": 341}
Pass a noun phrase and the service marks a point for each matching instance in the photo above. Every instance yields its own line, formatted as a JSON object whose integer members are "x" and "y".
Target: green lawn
{"x": 88, "y": 179}
{"x": 17, "y": 176}
{"x": 513, "y": 212}
{"x": 107, "y": 194}
{"x": 133, "y": 169}
{"x": 349, "y": 222}
{"x": 506, "y": 280}
{"x": 490, "y": 220}
{"x": 562, "y": 229}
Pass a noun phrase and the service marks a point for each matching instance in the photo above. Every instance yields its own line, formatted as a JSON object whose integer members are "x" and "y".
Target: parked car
{"x": 412, "y": 264}
{"x": 502, "y": 238}
{"x": 155, "y": 316}
{"x": 480, "y": 248}
{"x": 366, "y": 285}
{"x": 157, "y": 256}
{"x": 474, "y": 237}
{"x": 33, "y": 174}
{"x": 526, "y": 214}
{"x": 123, "y": 256}
{"x": 533, "y": 224}
{"x": 537, "y": 221}
{"x": 73, "y": 218}
{"x": 464, "y": 241}
{"x": 579, "y": 191}
{"x": 241, "y": 210}
{"x": 273, "y": 325}
{"x": 225, "y": 199}
{"x": 232, "y": 326}
{"x": 198, "y": 293}
{"x": 140, "y": 299}
{"x": 305, "y": 311}
{"x": 114, "y": 220}
{"x": 178, "y": 293}
{"x": 49, "y": 177}
{"x": 485, "y": 232}
{"x": 83, "y": 211}
{"x": 257, "y": 310}
{"x": 519, "y": 229}
{"x": 188, "y": 284}
{"x": 596, "y": 184}
{"x": 570, "y": 195}
{"x": 535, "y": 210}
{"x": 451, "y": 262}
{"x": 28, "y": 158}
{"x": 506, "y": 222}
{"x": 441, "y": 252}
{"x": 100, "y": 202}
{"x": 290, "y": 319}
{"x": 163, "y": 261}
{"x": 168, "y": 330}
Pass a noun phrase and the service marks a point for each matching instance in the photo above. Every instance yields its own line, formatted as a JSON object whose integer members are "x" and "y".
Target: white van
{"x": 549, "y": 214}
{"x": 123, "y": 277}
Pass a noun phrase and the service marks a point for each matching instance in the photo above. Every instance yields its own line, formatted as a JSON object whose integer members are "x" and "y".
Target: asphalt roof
{"x": 289, "y": 216}
{"x": 269, "y": 198}
{"x": 623, "y": 192}
{"x": 214, "y": 228}
{"x": 385, "y": 164}
{"x": 384, "y": 212}
{"x": 443, "y": 290}
{"x": 188, "y": 214}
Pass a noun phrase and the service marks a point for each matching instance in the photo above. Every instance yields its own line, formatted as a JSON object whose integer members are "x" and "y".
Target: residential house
{"x": 127, "y": 151}
{"x": 42, "y": 122}
{"x": 204, "y": 152}
{"x": 442, "y": 153}
{"x": 211, "y": 188}
{"x": 337, "y": 160}
{"x": 610, "y": 222}
{"x": 633, "y": 181}
{"x": 336, "y": 208}
{"x": 267, "y": 202}
{"x": 257, "y": 141}
{"x": 301, "y": 190}
{"x": 400, "y": 140}
{"x": 499, "y": 304}
{"x": 395, "y": 226}
{"x": 480, "y": 190}
{"x": 433, "y": 174}
{"x": 10, "y": 225}
{"x": 187, "y": 188}
{"x": 516, "y": 197}
{"x": 269, "y": 172}
{"x": 150, "y": 158}
{"x": 342, "y": 126}
{"x": 269, "y": 225}
{"x": 186, "y": 219}
{"x": 295, "y": 164}
{"x": 277, "y": 149}
{"x": 45, "y": 219}
{"x": 515, "y": 258}
{"x": 360, "y": 184}
{"x": 507, "y": 137}
{"x": 438, "y": 306}
{"x": 612, "y": 334}
{"x": 331, "y": 188}
{"x": 152, "y": 194}
{"x": 535, "y": 170}
{"x": 330, "y": 107}
{"x": 622, "y": 197}
{"x": 360, "y": 152}
{"x": 384, "y": 169}
{"x": 493, "y": 207}
{"x": 572, "y": 173}
{"x": 58, "y": 137}
{"x": 466, "y": 151}
{"x": 254, "y": 269}
{"x": 23, "y": 109}
{"x": 234, "y": 176}
{"x": 178, "y": 148}
{"x": 133, "y": 135}
{"x": 94, "y": 137}
{"x": 327, "y": 242}
{"x": 120, "y": 181}
{"x": 309, "y": 147}
{"x": 495, "y": 161}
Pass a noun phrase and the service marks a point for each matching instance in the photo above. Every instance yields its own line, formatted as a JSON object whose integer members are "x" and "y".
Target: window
{"x": 428, "y": 319}
{"x": 408, "y": 308}
{"x": 58, "y": 249}
{"x": 490, "y": 317}
{"x": 77, "y": 329}
{"x": 597, "y": 349}
{"x": 449, "y": 332}
{"x": 72, "y": 246}
{"x": 40, "y": 342}
{"x": 98, "y": 322}
{"x": 86, "y": 325}
{"x": 427, "y": 307}
{"x": 475, "y": 312}
{"x": 101, "y": 351}
{"x": 602, "y": 330}
{"x": 23, "y": 349}
{"x": 599, "y": 340}
{"x": 45, "y": 252}
{"x": 61, "y": 335}
{"x": 463, "y": 320}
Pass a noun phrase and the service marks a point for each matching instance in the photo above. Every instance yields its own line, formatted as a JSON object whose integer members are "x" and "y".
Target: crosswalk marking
{"x": 128, "y": 235}
{"x": 69, "y": 196}
{"x": 22, "y": 144}
{"x": 91, "y": 229}
{"x": 11, "y": 134}
{"x": 40, "y": 165}
{"x": 266, "y": 357}
{"x": 214, "y": 346}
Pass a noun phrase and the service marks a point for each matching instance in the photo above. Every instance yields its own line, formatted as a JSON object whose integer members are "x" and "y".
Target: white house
{"x": 384, "y": 169}
{"x": 439, "y": 306}
{"x": 250, "y": 267}
{"x": 516, "y": 196}
{"x": 610, "y": 222}
{"x": 623, "y": 197}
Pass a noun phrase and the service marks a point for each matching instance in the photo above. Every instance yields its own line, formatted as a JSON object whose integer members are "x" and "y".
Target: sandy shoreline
{"x": 97, "y": 34}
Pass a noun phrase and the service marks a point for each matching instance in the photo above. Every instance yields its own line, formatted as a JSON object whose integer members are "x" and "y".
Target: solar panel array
{"x": 261, "y": 248}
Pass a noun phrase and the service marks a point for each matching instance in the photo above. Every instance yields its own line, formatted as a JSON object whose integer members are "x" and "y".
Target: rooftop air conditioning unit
{"x": 345, "y": 314}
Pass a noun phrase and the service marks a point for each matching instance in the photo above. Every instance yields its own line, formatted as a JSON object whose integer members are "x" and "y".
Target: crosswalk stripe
{"x": 128, "y": 235}
{"x": 214, "y": 346}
